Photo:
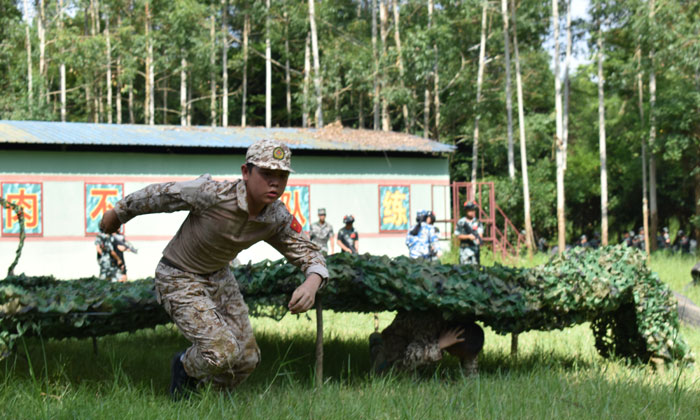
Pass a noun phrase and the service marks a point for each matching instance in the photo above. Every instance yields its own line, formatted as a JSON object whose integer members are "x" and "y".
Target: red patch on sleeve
{"x": 296, "y": 226}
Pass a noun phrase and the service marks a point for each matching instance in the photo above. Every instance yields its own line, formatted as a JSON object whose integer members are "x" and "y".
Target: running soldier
{"x": 416, "y": 339}
{"x": 322, "y": 232}
{"x": 193, "y": 280}
{"x": 422, "y": 240}
{"x": 469, "y": 231}
{"x": 107, "y": 258}
{"x": 348, "y": 239}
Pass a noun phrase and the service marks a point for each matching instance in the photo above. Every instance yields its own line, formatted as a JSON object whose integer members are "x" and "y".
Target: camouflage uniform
{"x": 411, "y": 341}
{"x": 320, "y": 234}
{"x": 108, "y": 267}
{"x": 468, "y": 249}
{"x": 425, "y": 244}
{"x": 193, "y": 281}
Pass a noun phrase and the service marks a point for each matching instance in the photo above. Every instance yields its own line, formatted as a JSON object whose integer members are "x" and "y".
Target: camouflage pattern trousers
{"x": 211, "y": 313}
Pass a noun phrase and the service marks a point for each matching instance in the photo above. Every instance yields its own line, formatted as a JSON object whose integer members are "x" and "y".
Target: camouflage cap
{"x": 269, "y": 154}
{"x": 321, "y": 212}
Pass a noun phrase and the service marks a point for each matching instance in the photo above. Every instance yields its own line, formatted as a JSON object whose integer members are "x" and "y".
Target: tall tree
{"x": 28, "y": 46}
{"x": 317, "y": 66}
{"x": 224, "y": 63}
{"x": 41, "y": 32}
{"x": 652, "y": 139}
{"x": 212, "y": 69}
{"x": 509, "y": 101}
{"x": 558, "y": 140}
{"x": 601, "y": 137}
{"x": 529, "y": 237}
{"x": 426, "y": 95}
{"x": 108, "y": 65}
{"x": 307, "y": 81}
{"x": 645, "y": 189}
{"x": 244, "y": 104}
{"x": 567, "y": 65}
{"x": 150, "y": 69}
{"x": 375, "y": 76}
{"x": 399, "y": 64}
{"x": 287, "y": 76}
{"x": 436, "y": 88}
{"x": 383, "y": 32}
{"x": 62, "y": 65}
{"x": 479, "y": 84}
{"x": 268, "y": 68}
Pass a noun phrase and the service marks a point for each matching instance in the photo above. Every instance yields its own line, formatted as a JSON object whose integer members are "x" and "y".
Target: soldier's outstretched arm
{"x": 195, "y": 195}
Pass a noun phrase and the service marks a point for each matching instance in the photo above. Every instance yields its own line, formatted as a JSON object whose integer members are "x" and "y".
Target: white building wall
{"x": 340, "y": 185}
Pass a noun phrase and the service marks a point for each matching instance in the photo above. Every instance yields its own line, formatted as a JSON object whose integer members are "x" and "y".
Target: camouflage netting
{"x": 633, "y": 314}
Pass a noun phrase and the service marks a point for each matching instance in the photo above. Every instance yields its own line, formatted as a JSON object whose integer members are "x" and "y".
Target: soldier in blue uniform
{"x": 422, "y": 239}
{"x": 469, "y": 231}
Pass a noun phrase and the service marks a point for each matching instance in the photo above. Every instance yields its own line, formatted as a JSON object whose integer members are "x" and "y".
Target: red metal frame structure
{"x": 499, "y": 230}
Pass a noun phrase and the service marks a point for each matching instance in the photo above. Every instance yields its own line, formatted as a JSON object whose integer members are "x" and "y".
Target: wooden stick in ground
{"x": 514, "y": 345}
{"x": 319, "y": 343}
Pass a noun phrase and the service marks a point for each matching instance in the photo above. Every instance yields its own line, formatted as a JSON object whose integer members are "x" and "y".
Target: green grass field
{"x": 556, "y": 375}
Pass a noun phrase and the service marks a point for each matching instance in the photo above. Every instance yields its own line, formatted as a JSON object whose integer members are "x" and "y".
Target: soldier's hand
{"x": 451, "y": 337}
{"x": 304, "y": 296}
{"x": 110, "y": 222}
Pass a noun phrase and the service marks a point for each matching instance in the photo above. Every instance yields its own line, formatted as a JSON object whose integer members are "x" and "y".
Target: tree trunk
{"x": 166, "y": 85}
{"x": 652, "y": 138}
{"x": 268, "y": 68}
{"x": 375, "y": 57}
{"x": 132, "y": 119}
{"x": 244, "y": 104}
{"x": 317, "y": 66}
{"x": 62, "y": 66}
{"x": 108, "y": 79}
{"x": 436, "y": 94}
{"x": 530, "y": 239}
{"x": 383, "y": 33}
{"x": 361, "y": 116}
{"x": 399, "y": 63}
{"x": 183, "y": 90}
{"x": 118, "y": 76}
{"x": 224, "y": 63}
{"x": 212, "y": 73}
{"x": 509, "y": 101}
{"x": 567, "y": 64}
{"x": 307, "y": 81}
{"x": 149, "y": 106}
{"x": 287, "y": 76}
{"x": 28, "y": 45}
{"x": 558, "y": 140}
{"x": 426, "y": 95}
{"x": 41, "y": 31}
{"x": 602, "y": 140}
{"x": 479, "y": 83}
{"x": 645, "y": 190}
{"x": 189, "y": 101}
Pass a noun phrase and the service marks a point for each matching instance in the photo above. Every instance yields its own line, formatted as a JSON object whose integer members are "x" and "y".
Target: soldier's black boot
{"x": 181, "y": 384}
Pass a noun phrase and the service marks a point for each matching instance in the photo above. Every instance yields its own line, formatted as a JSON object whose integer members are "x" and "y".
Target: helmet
{"x": 348, "y": 219}
{"x": 665, "y": 230}
{"x": 470, "y": 205}
{"x": 431, "y": 215}
{"x": 421, "y": 215}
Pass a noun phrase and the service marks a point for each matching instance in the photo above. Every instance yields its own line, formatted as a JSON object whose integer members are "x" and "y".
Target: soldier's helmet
{"x": 681, "y": 232}
{"x": 348, "y": 219}
{"x": 631, "y": 232}
{"x": 321, "y": 212}
{"x": 665, "y": 230}
{"x": 469, "y": 205}
{"x": 421, "y": 215}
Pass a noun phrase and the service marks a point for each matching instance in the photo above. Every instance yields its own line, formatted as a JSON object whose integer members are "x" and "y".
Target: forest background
{"x": 623, "y": 126}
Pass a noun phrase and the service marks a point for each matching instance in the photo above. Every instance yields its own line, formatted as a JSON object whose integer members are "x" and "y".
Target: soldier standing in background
{"x": 348, "y": 239}
{"x": 469, "y": 231}
{"x": 107, "y": 258}
{"x": 120, "y": 245}
{"x": 322, "y": 232}
{"x": 422, "y": 240}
